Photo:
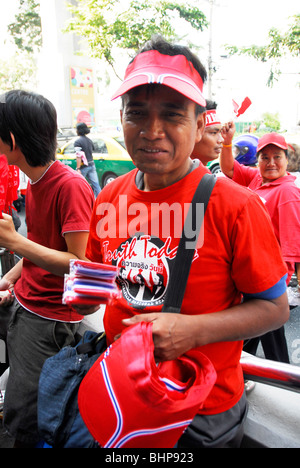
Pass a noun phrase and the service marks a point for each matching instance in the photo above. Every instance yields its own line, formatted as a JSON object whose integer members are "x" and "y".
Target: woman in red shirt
{"x": 277, "y": 188}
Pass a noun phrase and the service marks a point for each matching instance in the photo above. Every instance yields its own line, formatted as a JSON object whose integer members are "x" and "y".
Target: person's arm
{"x": 78, "y": 157}
{"x": 297, "y": 268}
{"x": 54, "y": 261}
{"x": 175, "y": 334}
{"x": 12, "y": 276}
{"x": 226, "y": 157}
{"x": 265, "y": 306}
{"x": 8, "y": 282}
{"x": 78, "y": 163}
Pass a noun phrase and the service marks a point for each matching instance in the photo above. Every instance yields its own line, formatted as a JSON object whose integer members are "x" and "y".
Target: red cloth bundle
{"x": 90, "y": 283}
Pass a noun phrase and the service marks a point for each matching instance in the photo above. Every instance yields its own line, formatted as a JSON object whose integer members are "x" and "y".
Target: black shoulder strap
{"x": 182, "y": 264}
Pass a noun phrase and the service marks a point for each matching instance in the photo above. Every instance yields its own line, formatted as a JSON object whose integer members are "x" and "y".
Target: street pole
{"x": 210, "y": 48}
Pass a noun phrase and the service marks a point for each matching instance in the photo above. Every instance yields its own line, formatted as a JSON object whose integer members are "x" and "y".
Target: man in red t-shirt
{"x": 59, "y": 204}
{"x": 211, "y": 143}
{"x": 137, "y": 223}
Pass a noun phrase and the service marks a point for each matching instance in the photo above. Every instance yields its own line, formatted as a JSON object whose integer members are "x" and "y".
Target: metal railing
{"x": 269, "y": 372}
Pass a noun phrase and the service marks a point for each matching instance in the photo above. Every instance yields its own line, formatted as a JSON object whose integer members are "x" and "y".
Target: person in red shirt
{"x": 137, "y": 223}
{"x": 33, "y": 321}
{"x": 211, "y": 143}
{"x": 278, "y": 191}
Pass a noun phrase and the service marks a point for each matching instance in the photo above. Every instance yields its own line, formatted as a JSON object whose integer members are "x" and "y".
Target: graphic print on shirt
{"x": 144, "y": 264}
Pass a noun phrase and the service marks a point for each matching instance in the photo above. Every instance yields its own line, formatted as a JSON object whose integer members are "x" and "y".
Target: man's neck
{"x": 140, "y": 177}
{"x": 35, "y": 173}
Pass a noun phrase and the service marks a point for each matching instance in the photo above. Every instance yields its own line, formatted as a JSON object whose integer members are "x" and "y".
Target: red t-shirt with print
{"x": 236, "y": 253}
{"x": 61, "y": 201}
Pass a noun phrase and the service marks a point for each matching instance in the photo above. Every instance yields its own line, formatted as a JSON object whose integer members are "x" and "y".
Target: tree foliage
{"x": 20, "y": 70}
{"x": 108, "y": 26}
{"x": 279, "y": 46}
{"x": 27, "y": 28}
{"x": 271, "y": 121}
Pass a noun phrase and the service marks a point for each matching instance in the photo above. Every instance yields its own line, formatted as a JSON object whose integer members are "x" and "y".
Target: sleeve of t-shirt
{"x": 243, "y": 175}
{"x": 78, "y": 145}
{"x": 289, "y": 228}
{"x": 272, "y": 293}
{"x": 257, "y": 264}
{"x": 75, "y": 205}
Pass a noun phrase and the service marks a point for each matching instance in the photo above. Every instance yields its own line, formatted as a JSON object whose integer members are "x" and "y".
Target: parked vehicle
{"x": 110, "y": 156}
{"x": 64, "y": 135}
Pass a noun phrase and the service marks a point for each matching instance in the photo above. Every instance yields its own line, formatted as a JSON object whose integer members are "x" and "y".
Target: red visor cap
{"x": 127, "y": 401}
{"x": 272, "y": 139}
{"x": 176, "y": 72}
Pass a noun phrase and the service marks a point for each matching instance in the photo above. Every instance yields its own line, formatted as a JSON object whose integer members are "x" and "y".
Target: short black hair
{"x": 210, "y": 105}
{"x": 157, "y": 42}
{"x": 82, "y": 128}
{"x": 32, "y": 119}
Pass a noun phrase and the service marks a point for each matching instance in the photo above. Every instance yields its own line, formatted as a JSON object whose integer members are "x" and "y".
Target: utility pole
{"x": 210, "y": 49}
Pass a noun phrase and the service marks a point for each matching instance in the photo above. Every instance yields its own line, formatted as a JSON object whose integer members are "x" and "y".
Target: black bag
{"x": 183, "y": 261}
{"x": 59, "y": 421}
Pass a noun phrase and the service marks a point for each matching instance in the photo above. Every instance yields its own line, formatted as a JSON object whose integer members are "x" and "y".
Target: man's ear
{"x": 13, "y": 141}
{"x": 201, "y": 123}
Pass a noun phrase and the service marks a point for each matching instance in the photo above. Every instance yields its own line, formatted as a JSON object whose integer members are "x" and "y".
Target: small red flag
{"x": 239, "y": 110}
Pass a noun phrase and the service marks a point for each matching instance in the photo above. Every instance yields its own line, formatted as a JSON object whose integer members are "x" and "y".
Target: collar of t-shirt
{"x": 139, "y": 179}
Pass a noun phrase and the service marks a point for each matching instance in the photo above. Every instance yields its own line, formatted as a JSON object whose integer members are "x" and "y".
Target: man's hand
{"x": 7, "y": 231}
{"x": 226, "y": 157}
{"x": 175, "y": 334}
{"x": 228, "y": 131}
{"x": 172, "y": 335}
{"x": 6, "y": 296}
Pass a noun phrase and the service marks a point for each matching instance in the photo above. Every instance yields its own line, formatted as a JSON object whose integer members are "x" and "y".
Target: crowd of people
{"x": 236, "y": 290}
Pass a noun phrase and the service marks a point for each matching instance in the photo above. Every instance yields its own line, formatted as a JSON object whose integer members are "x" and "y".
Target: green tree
{"x": 271, "y": 121}
{"x": 19, "y": 72}
{"x": 279, "y": 46}
{"x": 27, "y": 28}
{"x": 108, "y": 26}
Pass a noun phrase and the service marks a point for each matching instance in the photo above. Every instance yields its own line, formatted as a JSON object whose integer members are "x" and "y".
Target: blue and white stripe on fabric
{"x": 171, "y": 385}
{"x": 147, "y": 432}
{"x": 114, "y": 403}
{"x": 113, "y": 441}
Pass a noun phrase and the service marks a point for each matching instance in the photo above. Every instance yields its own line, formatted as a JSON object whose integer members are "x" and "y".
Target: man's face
{"x": 210, "y": 146}
{"x": 160, "y": 130}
